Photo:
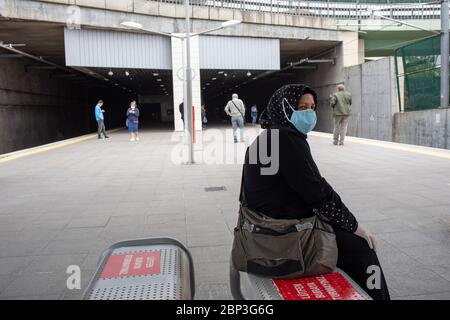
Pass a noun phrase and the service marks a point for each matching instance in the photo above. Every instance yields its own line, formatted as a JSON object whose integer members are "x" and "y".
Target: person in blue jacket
{"x": 100, "y": 120}
{"x": 133, "y": 121}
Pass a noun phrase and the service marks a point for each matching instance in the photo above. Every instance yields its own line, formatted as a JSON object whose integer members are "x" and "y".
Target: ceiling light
{"x": 230, "y": 23}
{"x": 110, "y": 73}
{"x": 213, "y": 79}
{"x": 127, "y": 73}
{"x": 225, "y": 74}
{"x": 220, "y": 72}
{"x": 249, "y": 74}
{"x": 156, "y": 74}
{"x": 207, "y": 84}
{"x": 161, "y": 85}
{"x": 158, "y": 80}
{"x": 131, "y": 25}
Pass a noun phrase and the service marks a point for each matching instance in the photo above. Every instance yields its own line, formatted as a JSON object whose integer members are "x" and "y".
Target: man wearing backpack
{"x": 235, "y": 108}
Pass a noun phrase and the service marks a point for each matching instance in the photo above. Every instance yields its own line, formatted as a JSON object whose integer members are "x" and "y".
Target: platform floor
{"x": 64, "y": 205}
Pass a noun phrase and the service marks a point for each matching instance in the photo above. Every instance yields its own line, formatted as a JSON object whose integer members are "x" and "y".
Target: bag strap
{"x": 242, "y": 197}
{"x": 252, "y": 228}
{"x": 237, "y": 108}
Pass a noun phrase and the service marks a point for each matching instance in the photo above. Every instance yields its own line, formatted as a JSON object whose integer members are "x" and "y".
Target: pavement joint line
{"x": 420, "y": 294}
{"x": 434, "y": 152}
{"x": 211, "y": 246}
{"x": 48, "y": 147}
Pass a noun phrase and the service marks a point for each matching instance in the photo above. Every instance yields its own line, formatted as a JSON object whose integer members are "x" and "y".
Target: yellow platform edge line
{"x": 391, "y": 145}
{"x": 44, "y": 148}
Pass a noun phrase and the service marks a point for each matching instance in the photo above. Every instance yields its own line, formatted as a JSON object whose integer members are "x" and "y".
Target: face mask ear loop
{"x": 282, "y": 103}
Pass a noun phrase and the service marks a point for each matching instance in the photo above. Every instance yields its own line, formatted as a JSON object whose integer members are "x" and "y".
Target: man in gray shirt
{"x": 236, "y": 110}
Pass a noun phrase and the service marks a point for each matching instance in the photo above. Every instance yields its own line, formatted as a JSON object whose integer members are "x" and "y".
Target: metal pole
{"x": 184, "y": 87}
{"x": 188, "y": 86}
{"x": 405, "y": 23}
{"x": 444, "y": 65}
{"x": 444, "y": 54}
{"x": 358, "y": 14}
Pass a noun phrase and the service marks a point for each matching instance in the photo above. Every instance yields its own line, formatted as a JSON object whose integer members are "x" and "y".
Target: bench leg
{"x": 235, "y": 284}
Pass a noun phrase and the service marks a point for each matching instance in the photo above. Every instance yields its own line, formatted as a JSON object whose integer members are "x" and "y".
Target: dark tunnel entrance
{"x": 151, "y": 88}
{"x": 301, "y": 61}
{"x": 253, "y": 88}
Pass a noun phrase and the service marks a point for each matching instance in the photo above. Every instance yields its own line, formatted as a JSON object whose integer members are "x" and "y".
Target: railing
{"x": 336, "y": 10}
{"x": 418, "y": 73}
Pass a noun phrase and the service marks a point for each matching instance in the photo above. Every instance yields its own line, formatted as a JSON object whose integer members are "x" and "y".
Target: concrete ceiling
{"x": 383, "y": 43}
{"x": 144, "y": 81}
{"x": 297, "y": 49}
{"x": 41, "y": 39}
{"x": 225, "y": 81}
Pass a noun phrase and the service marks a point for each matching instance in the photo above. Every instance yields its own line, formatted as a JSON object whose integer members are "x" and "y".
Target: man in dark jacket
{"x": 181, "y": 108}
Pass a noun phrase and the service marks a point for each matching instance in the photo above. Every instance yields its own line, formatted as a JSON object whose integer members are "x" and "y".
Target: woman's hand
{"x": 367, "y": 235}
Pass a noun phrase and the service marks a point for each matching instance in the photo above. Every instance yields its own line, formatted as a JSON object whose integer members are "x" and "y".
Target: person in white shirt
{"x": 235, "y": 108}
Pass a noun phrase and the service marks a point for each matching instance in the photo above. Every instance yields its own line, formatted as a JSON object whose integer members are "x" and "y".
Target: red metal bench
{"x": 143, "y": 269}
{"x": 332, "y": 286}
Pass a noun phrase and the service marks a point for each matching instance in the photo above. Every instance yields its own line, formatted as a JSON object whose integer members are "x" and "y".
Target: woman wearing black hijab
{"x": 297, "y": 190}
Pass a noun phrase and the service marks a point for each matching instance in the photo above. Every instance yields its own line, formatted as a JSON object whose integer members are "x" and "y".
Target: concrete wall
{"x": 35, "y": 109}
{"x": 353, "y": 82}
{"x": 287, "y": 27}
{"x": 375, "y": 108}
{"x": 373, "y": 90}
{"x": 199, "y": 12}
{"x": 324, "y": 80}
{"x": 379, "y": 99}
{"x": 425, "y": 128}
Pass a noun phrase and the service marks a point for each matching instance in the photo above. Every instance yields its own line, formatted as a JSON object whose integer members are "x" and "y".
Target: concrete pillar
{"x": 361, "y": 51}
{"x": 350, "y": 46}
{"x": 177, "y": 74}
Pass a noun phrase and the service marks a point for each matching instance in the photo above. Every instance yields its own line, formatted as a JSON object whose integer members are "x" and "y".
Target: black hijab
{"x": 273, "y": 115}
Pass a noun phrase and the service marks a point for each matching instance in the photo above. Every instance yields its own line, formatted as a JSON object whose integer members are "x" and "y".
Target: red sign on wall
{"x": 331, "y": 286}
{"x": 132, "y": 264}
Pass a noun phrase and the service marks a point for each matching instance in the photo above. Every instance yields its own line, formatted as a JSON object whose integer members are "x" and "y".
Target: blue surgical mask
{"x": 304, "y": 121}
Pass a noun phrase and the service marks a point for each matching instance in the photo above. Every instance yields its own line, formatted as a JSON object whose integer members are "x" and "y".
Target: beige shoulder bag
{"x": 282, "y": 248}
